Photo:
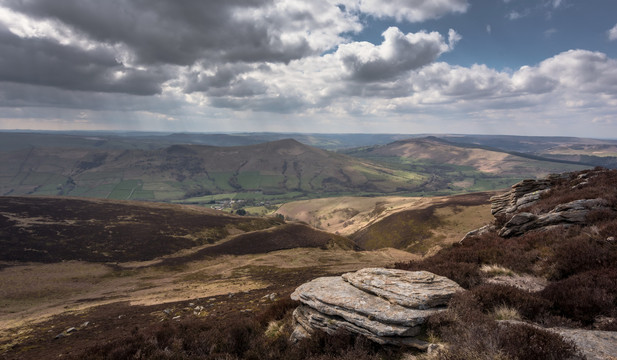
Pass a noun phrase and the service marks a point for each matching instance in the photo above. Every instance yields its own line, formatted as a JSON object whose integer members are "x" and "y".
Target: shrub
{"x": 581, "y": 252}
{"x": 529, "y": 305}
{"x": 471, "y": 334}
{"x": 496, "y": 270}
{"x": 263, "y": 336}
{"x": 583, "y": 297}
{"x": 538, "y": 343}
{"x": 504, "y": 312}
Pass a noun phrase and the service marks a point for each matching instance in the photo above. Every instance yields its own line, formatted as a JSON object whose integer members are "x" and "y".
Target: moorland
{"x": 132, "y": 245}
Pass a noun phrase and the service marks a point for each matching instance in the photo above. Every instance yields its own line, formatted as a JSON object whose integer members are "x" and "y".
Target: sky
{"x": 520, "y": 67}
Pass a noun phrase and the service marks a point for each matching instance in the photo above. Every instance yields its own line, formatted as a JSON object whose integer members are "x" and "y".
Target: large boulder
{"x": 387, "y": 306}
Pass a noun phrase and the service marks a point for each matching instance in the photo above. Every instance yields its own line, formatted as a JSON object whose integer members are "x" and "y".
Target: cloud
{"x": 612, "y": 33}
{"x": 257, "y": 61}
{"x": 409, "y": 10}
{"x": 41, "y": 61}
{"x": 513, "y": 15}
{"x": 549, "y": 32}
{"x": 489, "y": 29}
{"x": 582, "y": 71}
{"x": 397, "y": 54}
{"x": 187, "y": 31}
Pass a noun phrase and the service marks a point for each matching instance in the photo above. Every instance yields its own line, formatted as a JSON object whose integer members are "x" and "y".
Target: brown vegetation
{"x": 472, "y": 334}
{"x": 288, "y": 236}
{"x": 580, "y": 263}
{"x": 52, "y": 229}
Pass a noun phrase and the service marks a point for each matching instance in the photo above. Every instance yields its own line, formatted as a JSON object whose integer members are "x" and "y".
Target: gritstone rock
{"x": 417, "y": 289}
{"x": 574, "y": 212}
{"x": 387, "y": 306}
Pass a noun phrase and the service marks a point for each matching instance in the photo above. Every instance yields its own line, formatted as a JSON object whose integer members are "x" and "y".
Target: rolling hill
{"x": 457, "y": 166}
{"x": 192, "y": 171}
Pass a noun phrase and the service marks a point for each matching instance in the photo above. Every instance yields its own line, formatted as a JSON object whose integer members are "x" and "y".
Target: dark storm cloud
{"x": 46, "y": 62}
{"x": 175, "y": 31}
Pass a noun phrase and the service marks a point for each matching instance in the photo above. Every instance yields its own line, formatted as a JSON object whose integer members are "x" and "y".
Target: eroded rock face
{"x": 387, "y": 306}
{"x": 574, "y": 212}
{"x": 522, "y": 195}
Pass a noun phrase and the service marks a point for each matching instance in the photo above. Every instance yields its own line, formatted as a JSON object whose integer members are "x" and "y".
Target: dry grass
{"x": 503, "y": 312}
{"x": 37, "y": 291}
{"x": 346, "y": 215}
{"x": 496, "y": 270}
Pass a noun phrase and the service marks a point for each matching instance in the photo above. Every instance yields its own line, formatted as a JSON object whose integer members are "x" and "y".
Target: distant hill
{"x": 590, "y": 152}
{"x": 189, "y": 168}
{"x": 191, "y": 171}
{"x": 16, "y": 140}
{"x": 461, "y": 166}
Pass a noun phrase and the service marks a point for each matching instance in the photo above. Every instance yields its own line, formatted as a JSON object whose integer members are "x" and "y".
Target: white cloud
{"x": 397, "y": 54}
{"x": 513, "y": 15}
{"x": 549, "y": 32}
{"x": 489, "y": 29}
{"x": 409, "y": 10}
{"x": 612, "y": 33}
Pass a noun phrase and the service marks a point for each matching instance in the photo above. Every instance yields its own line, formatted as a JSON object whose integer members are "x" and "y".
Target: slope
{"x": 191, "y": 171}
{"x": 460, "y": 166}
{"x": 50, "y": 229}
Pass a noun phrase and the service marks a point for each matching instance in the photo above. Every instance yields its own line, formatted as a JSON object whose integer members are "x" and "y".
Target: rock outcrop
{"x": 522, "y": 195}
{"x": 574, "y": 212}
{"x": 511, "y": 206}
{"x": 385, "y": 305}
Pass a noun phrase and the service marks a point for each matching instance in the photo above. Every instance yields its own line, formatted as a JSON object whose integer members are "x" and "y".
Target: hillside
{"x": 49, "y": 229}
{"x": 590, "y": 152}
{"x": 460, "y": 166}
{"x": 547, "y": 264}
{"x": 426, "y": 229}
{"x": 282, "y": 168}
{"x": 126, "y": 264}
{"x": 417, "y": 224}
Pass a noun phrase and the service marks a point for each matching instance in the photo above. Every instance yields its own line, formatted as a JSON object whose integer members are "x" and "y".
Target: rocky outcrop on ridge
{"x": 387, "y": 306}
{"x": 524, "y": 194}
{"x": 574, "y": 212}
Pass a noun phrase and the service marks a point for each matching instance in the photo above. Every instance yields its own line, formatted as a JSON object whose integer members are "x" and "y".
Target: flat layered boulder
{"x": 384, "y": 305}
